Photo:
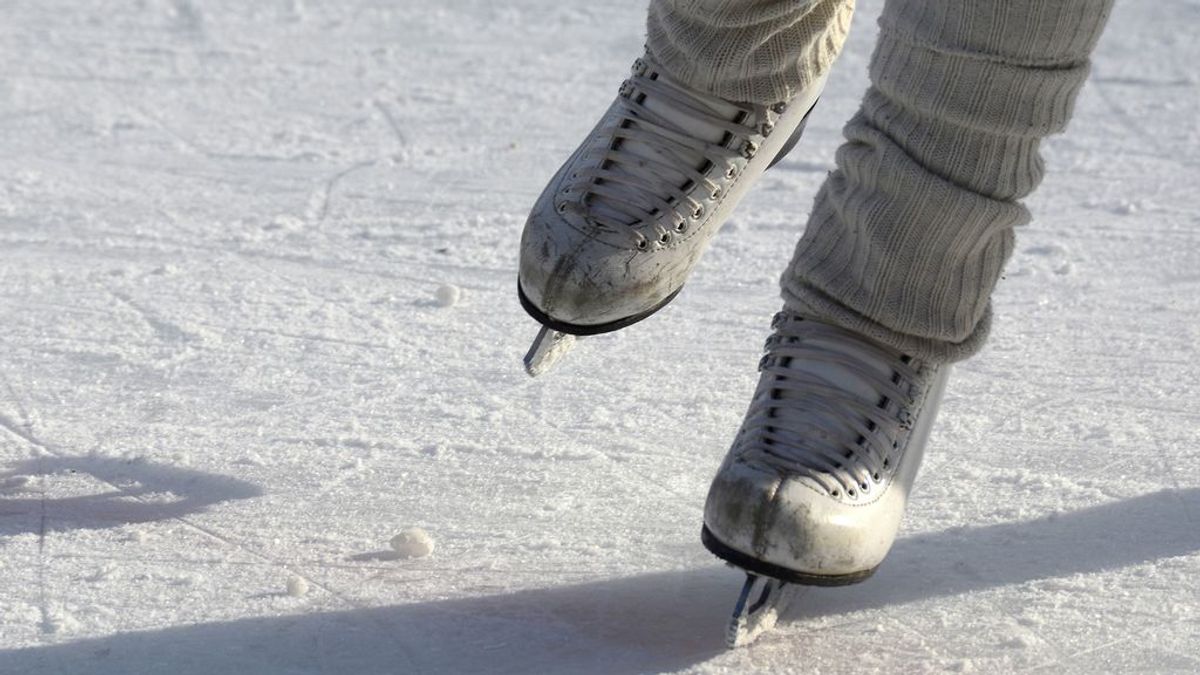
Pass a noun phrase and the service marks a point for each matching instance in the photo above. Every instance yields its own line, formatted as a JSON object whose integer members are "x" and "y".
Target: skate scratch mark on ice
{"x": 145, "y": 114}
{"x": 321, "y": 198}
{"x": 1129, "y": 121}
{"x": 683, "y": 501}
{"x": 305, "y": 337}
{"x": 391, "y": 122}
{"x": 1075, "y": 655}
{"x": 22, "y": 431}
{"x": 165, "y": 330}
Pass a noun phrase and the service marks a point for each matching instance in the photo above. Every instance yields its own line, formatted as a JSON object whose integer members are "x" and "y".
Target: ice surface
{"x": 222, "y": 365}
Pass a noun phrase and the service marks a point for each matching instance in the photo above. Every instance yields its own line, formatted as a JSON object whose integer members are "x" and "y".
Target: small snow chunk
{"x": 297, "y": 587}
{"x": 1125, "y": 208}
{"x": 448, "y": 295}
{"x": 412, "y": 543}
{"x": 137, "y": 537}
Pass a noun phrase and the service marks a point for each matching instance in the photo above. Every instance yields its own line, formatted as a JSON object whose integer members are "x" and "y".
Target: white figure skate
{"x": 619, "y": 228}
{"x": 814, "y": 487}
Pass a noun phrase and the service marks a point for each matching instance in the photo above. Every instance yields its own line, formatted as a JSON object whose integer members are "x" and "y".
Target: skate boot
{"x": 814, "y": 487}
{"x": 615, "y": 234}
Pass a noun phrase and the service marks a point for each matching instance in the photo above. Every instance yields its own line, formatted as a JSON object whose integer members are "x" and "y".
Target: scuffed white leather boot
{"x": 621, "y": 225}
{"x": 814, "y": 487}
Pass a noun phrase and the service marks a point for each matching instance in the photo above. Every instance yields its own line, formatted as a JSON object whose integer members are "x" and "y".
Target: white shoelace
{"x": 670, "y": 141}
{"x": 837, "y": 408}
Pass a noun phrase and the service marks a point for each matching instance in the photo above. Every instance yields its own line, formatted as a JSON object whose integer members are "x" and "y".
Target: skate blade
{"x": 757, "y": 609}
{"x": 547, "y": 349}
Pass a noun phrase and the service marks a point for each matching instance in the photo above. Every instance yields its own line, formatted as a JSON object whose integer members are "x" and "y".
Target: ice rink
{"x": 233, "y": 366}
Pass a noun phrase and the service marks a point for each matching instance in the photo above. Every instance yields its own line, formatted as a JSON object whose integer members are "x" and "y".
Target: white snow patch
{"x": 412, "y": 543}
{"x": 297, "y": 587}
{"x": 448, "y": 295}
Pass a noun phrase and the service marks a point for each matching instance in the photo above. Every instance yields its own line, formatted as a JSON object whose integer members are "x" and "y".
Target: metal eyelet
{"x": 698, "y": 213}
{"x": 562, "y": 207}
{"x": 681, "y": 226}
{"x": 716, "y": 194}
{"x": 731, "y": 172}
{"x": 664, "y": 238}
{"x": 642, "y": 244}
{"x": 779, "y": 108}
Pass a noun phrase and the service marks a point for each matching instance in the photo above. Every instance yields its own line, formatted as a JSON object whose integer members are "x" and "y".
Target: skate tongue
{"x": 839, "y": 376}
{"x": 650, "y": 175}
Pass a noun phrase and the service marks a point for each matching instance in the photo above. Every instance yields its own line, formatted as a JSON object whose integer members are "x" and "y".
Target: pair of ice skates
{"x": 814, "y": 487}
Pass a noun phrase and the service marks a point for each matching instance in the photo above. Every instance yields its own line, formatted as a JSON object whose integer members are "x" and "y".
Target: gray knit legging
{"x": 909, "y": 235}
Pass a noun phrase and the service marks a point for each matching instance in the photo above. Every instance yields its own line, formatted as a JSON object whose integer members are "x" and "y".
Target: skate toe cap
{"x": 577, "y": 278}
{"x": 790, "y": 524}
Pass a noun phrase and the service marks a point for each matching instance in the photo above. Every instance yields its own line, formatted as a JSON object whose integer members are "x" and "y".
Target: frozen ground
{"x": 225, "y": 371}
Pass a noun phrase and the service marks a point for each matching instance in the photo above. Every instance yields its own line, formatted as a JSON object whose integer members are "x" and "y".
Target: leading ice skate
{"x": 814, "y": 487}
{"x": 616, "y": 232}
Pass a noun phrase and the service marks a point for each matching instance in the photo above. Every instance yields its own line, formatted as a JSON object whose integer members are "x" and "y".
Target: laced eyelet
{"x": 731, "y": 172}
{"x": 562, "y": 207}
{"x": 716, "y": 194}
{"x": 681, "y": 226}
{"x": 698, "y": 212}
{"x": 749, "y": 149}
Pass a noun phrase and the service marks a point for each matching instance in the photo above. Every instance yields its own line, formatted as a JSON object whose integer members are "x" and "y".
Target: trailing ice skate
{"x": 814, "y": 487}
{"x": 618, "y": 229}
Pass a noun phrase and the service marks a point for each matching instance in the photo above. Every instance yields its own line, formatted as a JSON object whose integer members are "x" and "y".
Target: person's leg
{"x": 909, "y": 235}
{"x": 723, "y": 89}
{"x": 755, "y": 51}
{"x": 892, "y": 277}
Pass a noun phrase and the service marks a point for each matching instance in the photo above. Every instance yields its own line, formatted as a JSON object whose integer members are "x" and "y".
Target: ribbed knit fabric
{"x": 909, "y": 235}
{"x": 753, "y": 51}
